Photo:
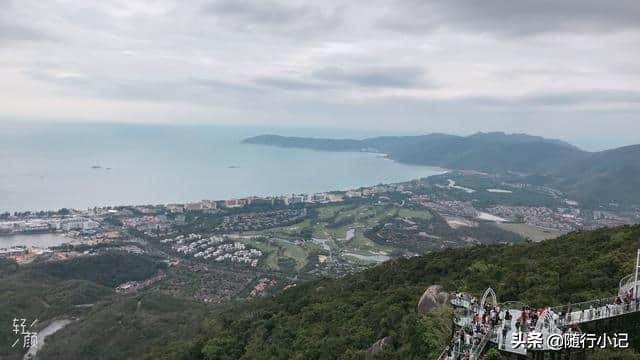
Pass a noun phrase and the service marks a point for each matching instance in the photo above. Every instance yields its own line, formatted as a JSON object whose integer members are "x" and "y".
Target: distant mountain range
{"x": 605, "y": 176}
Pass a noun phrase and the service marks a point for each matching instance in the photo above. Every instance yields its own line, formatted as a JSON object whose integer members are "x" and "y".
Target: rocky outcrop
{"x": 433, "y": 296}
{"x": 377, "y": 347}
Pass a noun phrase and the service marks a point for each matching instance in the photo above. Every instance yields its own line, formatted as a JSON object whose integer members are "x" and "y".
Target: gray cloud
{"x": 220, "y": 86}
{"x": 274, "y": 15}
{"x": 560, "y": 99}
{"x": 269, "y": 12}
{"x": 290, "y": 84}
{"x": 591, "y": 129}
{"x": 448, "y": 65}
{"x": 18, "y": 33}
{"x": 193, "y": 90}
{"x": 201, "y": 90}
{"x": 508, "y": 17}
{"x": 381, "y": 76}
{"x": 16, "y": 29}
{"x": 333, "y": 77}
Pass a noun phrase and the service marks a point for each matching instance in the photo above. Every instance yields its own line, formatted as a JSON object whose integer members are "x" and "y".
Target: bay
{"x": 48, "y": 167}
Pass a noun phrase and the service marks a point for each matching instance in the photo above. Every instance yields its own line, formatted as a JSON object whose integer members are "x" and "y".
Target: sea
{"x": 70, "y": 165}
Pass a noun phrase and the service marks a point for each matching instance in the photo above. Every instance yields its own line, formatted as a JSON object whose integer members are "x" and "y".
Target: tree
{"x": 492, "y": 354}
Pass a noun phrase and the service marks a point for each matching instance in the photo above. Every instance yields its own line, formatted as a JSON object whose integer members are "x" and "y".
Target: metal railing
{"x": 462, "y": 320}
{"x": 552, "y": 317}
{"x": 626, "y": 284}
{"x": 460, "y": 302}
{"x": 512, "y": 305}
{"x": 456, "y": 348}
{"x": 594, "y": 310}
{"x": 564, "y": 315}
{"x": 477, "y": 350}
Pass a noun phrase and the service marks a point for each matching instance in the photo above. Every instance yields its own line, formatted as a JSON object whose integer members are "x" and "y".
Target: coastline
{"x": 440, "y": 171}
{"x": 428, "y": 170}
{"x": 369, "y": 151}
{"x": 208, "y": 164}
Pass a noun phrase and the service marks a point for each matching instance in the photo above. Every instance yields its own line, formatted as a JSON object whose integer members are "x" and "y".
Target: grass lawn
{"x": 361, "y": 218}
{"x": 298, "y": 253}
{"x": 362, "y": 244}
{"x": 327, "y": 212}
{"x": 418, "y": 214}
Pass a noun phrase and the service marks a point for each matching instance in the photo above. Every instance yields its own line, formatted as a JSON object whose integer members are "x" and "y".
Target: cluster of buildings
{"x": 148, "y": 224}
{"x": 290, "y": 199}
{"x": 21, "y": 254}
{"x": 249, "y": 256}
{"x": 334, "y": 267}
{"x": 261, "y": 286}
{"x": 261, "y": 220}
{"x": 51, "y": 224}
{"x": 537, "y": 188}
{"x": 324, "y": 198}
{"x": 565, "y": 219}
{"x": 608, "y": 218}
{"x": 452, "y": 207}
{"x": 133, "y": 286}
{"x": 194, "y": 206}
{"x": 214, "y": 206}
{"x": 13, "y": 251}
{"x": 214, "y": 247}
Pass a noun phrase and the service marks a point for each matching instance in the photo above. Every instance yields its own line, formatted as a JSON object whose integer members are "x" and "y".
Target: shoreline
{"x": 438, "y": 171}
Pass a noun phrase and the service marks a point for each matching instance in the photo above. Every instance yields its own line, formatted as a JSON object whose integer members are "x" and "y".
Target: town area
{"x": 250, "y": 246}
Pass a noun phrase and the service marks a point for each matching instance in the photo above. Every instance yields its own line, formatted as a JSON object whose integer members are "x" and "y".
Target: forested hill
{"x": 599, "y": 177}
{"x": 482, "y": 151}
{"x": 342, "y": 318}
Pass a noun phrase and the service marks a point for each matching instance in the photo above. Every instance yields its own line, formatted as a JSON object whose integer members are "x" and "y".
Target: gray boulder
{"x": 377, "y": 347}
{"x": 433, "y": 296}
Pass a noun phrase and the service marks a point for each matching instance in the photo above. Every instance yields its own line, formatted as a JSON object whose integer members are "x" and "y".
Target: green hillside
{"x": 342, "y": 318}
{"x": 81, "y": 289}
{"x": 594, "y": 177}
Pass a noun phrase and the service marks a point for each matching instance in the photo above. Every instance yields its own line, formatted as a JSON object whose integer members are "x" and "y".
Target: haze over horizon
{"x": 568, "y": 71}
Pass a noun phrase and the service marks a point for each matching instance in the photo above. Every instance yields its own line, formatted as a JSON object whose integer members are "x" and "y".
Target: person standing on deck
{"x": 504, "y": 336}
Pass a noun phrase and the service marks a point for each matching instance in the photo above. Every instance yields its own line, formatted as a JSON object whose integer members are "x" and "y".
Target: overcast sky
{"x": 561, "y": 68}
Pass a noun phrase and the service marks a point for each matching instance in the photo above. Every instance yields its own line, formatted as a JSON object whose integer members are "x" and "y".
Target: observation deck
{"x": 551, "y": 320}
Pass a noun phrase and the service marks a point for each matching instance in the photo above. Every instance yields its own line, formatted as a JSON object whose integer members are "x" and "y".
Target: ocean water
{"x": 48, "y": 167}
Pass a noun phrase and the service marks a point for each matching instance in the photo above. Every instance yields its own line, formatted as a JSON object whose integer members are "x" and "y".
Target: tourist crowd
{"x": 479, "y": 322}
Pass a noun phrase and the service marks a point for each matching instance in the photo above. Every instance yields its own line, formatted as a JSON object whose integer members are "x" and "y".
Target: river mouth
{"x": 51, "y": 329}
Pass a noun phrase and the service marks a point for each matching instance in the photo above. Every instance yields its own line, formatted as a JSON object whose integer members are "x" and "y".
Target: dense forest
{"x": 82, "y": 288}
{"x": 342, "y": 318}
{"x": 319, "y": 319}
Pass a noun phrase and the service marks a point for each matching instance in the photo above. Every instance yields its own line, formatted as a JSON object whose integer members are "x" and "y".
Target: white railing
{"x": 593, "y": 310}
{"x": 559, "y": 315}
{"x": 626, "y": 284}
{"x": 477, "y": 350}
{"x": 581, "y": 312}
{"x": 461, "y": 303}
